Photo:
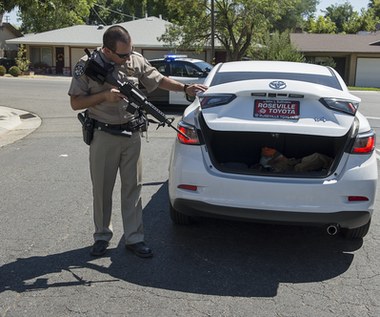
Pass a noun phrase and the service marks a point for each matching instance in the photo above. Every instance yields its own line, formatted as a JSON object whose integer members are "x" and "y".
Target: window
{"x": 41, "y": 56}
{"x": 178, "y": 69}
{"x": 184, "y": 69}
{"x": 47, "y": 55}
{"x": 192, "y": 71}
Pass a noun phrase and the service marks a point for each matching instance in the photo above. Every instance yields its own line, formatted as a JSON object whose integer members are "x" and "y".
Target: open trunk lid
{"x": 297, "y": 109}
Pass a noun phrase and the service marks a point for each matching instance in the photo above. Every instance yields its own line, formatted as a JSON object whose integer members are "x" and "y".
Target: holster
{"x": 87, "y": 126}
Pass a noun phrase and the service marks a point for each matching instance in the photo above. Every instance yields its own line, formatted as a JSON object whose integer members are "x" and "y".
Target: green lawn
{"x": 364, "y": 88}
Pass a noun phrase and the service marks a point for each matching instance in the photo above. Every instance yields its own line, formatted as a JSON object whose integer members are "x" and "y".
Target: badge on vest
{"x": 79, "y": 69}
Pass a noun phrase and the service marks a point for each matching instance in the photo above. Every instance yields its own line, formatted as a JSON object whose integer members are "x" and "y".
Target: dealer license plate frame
{"x": 276, "y": 109}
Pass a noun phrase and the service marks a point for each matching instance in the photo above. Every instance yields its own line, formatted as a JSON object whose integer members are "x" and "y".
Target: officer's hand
{"x": 114, "y": 95}
{"x": 194, "y": 89}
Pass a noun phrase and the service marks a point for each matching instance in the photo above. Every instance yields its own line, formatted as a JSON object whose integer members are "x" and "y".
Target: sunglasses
{"x": 122, "y": 56}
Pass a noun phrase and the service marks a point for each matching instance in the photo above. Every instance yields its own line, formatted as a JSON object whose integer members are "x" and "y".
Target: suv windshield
{"x": 227, "y": 77}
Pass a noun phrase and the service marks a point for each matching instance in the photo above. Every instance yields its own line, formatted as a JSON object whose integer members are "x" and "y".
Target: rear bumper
{"x": 345, "y": 219}
{"x": 252, "y": 196}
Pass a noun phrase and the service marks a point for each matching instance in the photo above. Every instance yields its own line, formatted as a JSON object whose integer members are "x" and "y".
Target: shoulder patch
{"x": 79, "y": 69}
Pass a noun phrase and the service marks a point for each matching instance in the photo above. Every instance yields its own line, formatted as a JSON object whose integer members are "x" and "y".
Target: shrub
{"x": 3, "y": 70}
{"x": 21, "y": 60}
{"x": 40, "y": 68}
{"x": 40, "y": 65}
{"x": 14, "y": 71}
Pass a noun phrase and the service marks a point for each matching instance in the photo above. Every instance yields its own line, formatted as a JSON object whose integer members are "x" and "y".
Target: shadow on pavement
{"x": 214, "y": 257}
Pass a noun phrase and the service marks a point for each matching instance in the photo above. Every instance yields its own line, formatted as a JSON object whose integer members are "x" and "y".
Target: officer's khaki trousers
{"x": 108, "y": 154}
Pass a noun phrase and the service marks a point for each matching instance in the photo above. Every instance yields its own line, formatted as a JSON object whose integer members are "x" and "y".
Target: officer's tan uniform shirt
{"x": 135, "y": 70}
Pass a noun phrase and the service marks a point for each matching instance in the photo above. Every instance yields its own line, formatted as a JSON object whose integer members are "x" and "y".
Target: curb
{"x": 9, "y": 119}
{"x": 16, "y": 124}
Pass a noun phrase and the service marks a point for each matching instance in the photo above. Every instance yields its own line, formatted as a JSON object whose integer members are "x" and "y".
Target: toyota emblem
{"x": 277, "y": 84}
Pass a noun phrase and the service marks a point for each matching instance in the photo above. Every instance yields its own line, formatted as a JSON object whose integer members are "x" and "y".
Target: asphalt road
{"x": 212, "y": 268}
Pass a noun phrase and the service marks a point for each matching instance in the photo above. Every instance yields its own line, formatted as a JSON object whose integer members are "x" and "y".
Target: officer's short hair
{"x": 115, "y": 34}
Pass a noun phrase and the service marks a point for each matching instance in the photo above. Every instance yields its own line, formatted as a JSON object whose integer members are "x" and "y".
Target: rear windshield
{"x": 226, "y": 77}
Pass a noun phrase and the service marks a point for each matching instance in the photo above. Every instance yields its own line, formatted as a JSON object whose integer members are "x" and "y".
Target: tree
{"x": 321, "y": 25}
{"x": 238, "y": 23}
{"x": 45, "y": 15}
{"x": 9, "y": 5}
{"x": 375, "y": 5}
{"x": 294, "y": 17}
{"x": 117, "y": 11}
{"x": 41, "y": 16}
{"x": 191, "y": 21}
{"x": 367, "y": 21}
{"x": 340, "y": 14}
{"x": 343, "y": 19}
{"x": 277, "y": 47}
{"x": 21, "y": 60}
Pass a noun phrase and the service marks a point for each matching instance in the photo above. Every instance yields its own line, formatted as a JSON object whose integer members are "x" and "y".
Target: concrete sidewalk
{"x": 16, "y": 124}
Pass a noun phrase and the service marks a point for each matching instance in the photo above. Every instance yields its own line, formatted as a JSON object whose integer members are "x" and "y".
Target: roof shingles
{"x": 144, "y": 32}
{"x": 328, "y": 43}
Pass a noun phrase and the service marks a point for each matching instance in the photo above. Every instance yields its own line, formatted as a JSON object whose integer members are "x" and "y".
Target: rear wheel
{"x": 357, "y": 233}
{"x": 179, "y": 218}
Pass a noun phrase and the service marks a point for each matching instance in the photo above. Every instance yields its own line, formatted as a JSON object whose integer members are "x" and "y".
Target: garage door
{"x": 367, "y": 72}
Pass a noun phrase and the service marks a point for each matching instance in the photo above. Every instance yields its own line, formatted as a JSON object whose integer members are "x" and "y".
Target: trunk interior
{"x": 273, "y": 154}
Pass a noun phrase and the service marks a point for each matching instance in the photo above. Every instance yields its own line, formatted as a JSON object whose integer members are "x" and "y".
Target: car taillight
{"x": 341, "y": 105}
{"x": 192, "y": 188}
{"x": 357, "y": 198}
{"x": 364, "y": 143}
{"x": 208, "y": 101}
{"x": 190, "y": 131}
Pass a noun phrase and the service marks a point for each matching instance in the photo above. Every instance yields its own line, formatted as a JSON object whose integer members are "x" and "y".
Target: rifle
{"x": 137, "y": 101}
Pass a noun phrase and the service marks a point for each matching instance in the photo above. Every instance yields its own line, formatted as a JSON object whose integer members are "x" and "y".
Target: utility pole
{"x": 212, "y": 33}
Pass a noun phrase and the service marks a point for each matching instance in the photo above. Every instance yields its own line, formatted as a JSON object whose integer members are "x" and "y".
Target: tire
{"x": 357, "y": 233}
{"x": 179, "y": 218}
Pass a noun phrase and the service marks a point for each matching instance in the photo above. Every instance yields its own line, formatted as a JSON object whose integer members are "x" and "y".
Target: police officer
{"x": 117, "y": 148}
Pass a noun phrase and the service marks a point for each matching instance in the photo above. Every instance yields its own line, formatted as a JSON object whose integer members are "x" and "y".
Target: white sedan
{"x": 275, "y": 142}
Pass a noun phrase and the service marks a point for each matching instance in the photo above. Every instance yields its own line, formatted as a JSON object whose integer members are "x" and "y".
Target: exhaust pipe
{"x": 332, "y": 229}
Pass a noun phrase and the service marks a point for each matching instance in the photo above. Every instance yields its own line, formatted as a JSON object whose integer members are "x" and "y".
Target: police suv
{"x": 183, "y": 69}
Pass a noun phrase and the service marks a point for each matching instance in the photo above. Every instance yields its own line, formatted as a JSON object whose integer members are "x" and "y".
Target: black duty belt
{"x": 124, "y": 126}
{"x": 117, "y": 129}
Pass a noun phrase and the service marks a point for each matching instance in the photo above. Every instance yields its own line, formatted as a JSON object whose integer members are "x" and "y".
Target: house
{"x": 357, "y": 56}
{"x": 58, "y": 51}
{"x": 7, "y": 32}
